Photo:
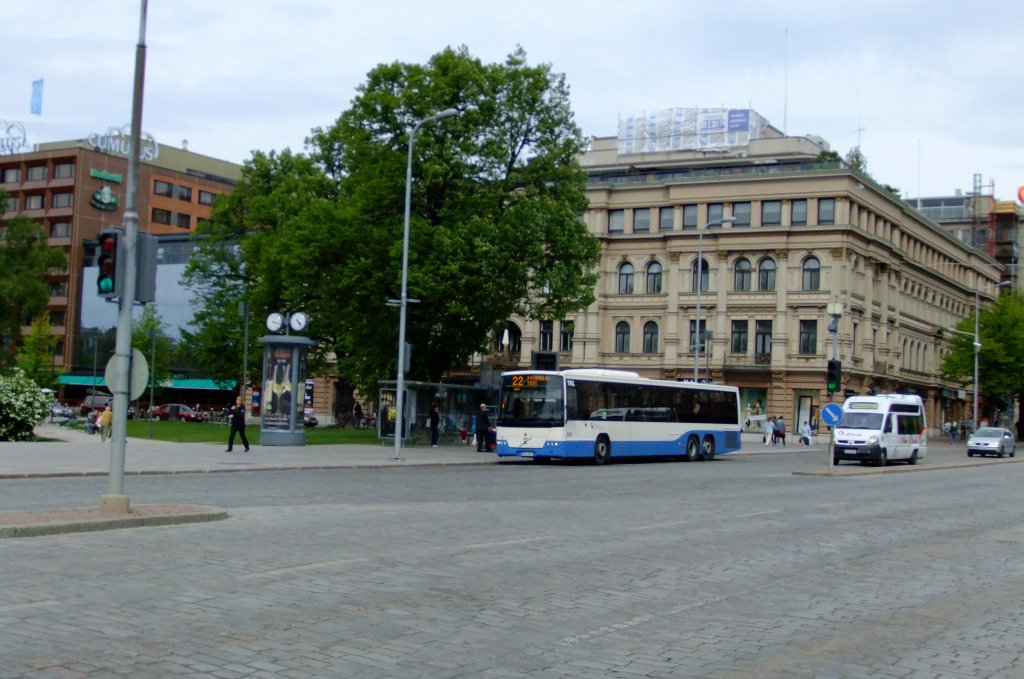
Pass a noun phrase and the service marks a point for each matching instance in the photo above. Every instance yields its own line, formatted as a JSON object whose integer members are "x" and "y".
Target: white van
{"x": 881, "y": 429}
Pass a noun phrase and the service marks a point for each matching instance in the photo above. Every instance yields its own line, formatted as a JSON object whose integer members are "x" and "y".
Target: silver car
{"x": 992, "y": 441}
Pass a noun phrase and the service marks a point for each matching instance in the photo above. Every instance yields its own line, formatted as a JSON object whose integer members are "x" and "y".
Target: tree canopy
{"x": 495, "y": 226}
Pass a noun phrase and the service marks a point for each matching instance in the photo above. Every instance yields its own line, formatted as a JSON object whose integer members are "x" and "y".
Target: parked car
{"x": 177, "y": 411}
{"x": 992, "y": 441}
{"x": 96, "y": 403}
{"x": 59, "y": 411}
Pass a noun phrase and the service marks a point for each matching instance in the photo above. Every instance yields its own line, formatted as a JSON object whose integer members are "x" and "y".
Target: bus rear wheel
{"x": 602, "y": 450}
{"x": 708, "y": 451}
{"x": 692, "y": 449}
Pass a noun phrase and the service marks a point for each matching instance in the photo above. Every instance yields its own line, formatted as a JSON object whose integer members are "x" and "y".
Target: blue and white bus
{"x": 605, "y": 414}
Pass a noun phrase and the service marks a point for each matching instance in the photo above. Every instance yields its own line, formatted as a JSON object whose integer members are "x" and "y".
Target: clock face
{"x": 274, "y": 322}
{"x": 298, "y": 321}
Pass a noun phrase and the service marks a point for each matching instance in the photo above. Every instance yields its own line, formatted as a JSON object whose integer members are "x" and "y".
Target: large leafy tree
{"x": 25, "y": 259}
{"x": 35, "y": 355}
{"x": 1001, "y": 358}
{"x": 495, "y": 221}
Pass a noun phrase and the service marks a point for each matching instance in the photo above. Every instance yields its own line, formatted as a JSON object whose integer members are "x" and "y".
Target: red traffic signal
{"x": 108, "y": 261}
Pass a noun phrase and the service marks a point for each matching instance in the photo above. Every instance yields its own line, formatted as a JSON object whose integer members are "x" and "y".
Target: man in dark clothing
{"x": 483, "y": 429}
{"x": 435, "y": 426}
{"x": 237, "y": 415}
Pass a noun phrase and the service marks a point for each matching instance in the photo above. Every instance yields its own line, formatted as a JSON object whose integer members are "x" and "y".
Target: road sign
{"x": 832, "y": 414}
{"x": 138, "y": 379}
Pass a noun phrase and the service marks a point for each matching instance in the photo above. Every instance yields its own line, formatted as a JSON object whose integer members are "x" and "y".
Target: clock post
{"x": 284, "y": 381}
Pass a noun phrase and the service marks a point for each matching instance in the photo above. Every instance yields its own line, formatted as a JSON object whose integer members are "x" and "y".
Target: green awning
{"x": 210, "y": 385}
{"x": 82, "y": 380}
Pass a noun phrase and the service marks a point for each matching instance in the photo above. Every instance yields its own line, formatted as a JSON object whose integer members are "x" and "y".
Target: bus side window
{"x": 572, "y": 404}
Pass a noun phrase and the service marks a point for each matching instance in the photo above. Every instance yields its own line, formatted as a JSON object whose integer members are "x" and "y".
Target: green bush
{"x": 23, "y": 405}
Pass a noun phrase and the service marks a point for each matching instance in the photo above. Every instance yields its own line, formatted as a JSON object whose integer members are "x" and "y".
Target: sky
{"x": 931, "y": 90}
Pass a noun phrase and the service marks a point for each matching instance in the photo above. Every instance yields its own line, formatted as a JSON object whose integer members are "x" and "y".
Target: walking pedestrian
{"x": 435, "y": 426}
{"x": 237, "y": 415}
{"x": 106, "y": 419}
{"x": 483, "y": 429}
{"x": 768, "y": 429}
{"x": 805, "y": 433}
{"x": 952, "y": 431}
{"x": 780, "y": 431}
{"x": 357, "y": 415}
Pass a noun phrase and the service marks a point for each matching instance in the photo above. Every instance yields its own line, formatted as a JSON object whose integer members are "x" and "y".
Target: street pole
{"x": 403, "y": 301}
{"x": 699, "y": 280}
{"x": 977, "y": 344}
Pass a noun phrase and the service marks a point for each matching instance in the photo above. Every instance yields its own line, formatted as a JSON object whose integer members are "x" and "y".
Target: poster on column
{"x": 278, "y": 393}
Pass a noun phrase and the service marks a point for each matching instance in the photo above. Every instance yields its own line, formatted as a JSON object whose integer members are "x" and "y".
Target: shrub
{"x": 23, "y": 405}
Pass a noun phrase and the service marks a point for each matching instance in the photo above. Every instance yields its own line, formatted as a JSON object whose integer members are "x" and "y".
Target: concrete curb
{"x": 844, "y": 471}
{"x": 56, "y": 527}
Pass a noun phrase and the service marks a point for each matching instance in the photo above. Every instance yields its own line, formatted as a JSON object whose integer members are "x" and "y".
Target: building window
{"x": 715, "y": 212}
{"x": 771, "y": 213}
{"x": 653, "y": 278}
{"x": 37, "y": 173}
{"x": 547, "y": 335}
{"x": 700, "y": 273}
{"x": 34, "y": 202}
{"x": 626, "y": 272}
{"x": 64, "y": 171}
{"x": 666, "y": 219}
{"x": 741, "y": 212}
{"x": 11, "y": 204}
{"x": 811, "y": 274}
{"x": 616, "y": 221}
{"x": 568, "y": 331}
{"x": 622, "y": 337}
{"x": 739, "y": 337}
{"x": 201, "y": 222}
{"x": 183, "y": 221}
{"x": 799, "y": 216}
{"x": 703, "y": 335}
{"x": 184, "y": 193}
{"x": 689, "y": 216}
{"x": 826, "y": 210}
{"x": 162, "y": 188}
{"x": 742, "y": 275}
{"x": 205, "y": 197}
{"x": 161, "y": 216}
{"x": 62, "y": 200}
{"x": 641, "y": 220}
{"x": 808, "y": 337}
{"x": 57, "y": 318}
{"x": 60, "y": 230}
{"x": 762, "y": 341}
{"x": 650, "y": 337}
{"x": 58, "y": 289}
{"x": 12, "y": 175}
{"x": 766, "y": 275}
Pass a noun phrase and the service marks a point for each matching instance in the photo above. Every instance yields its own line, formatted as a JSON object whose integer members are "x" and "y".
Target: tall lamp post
{"x": 403, "y": 302}
{"x": 977, "y": 343}
{"x": 699, "y": 280}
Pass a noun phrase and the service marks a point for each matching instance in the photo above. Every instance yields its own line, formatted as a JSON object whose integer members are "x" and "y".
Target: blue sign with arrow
{"x": 832, "y": 414}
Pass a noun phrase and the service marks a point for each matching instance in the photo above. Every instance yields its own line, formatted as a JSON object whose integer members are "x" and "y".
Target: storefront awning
{"x": 190, "y": 383}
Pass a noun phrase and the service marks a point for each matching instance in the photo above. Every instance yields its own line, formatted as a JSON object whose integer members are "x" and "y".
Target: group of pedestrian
{"x": 951, "y": 429}
{"x": 774, "y": 431}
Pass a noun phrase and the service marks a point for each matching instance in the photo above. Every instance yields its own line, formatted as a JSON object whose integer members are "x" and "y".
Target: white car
{"x": 992, "y": 441}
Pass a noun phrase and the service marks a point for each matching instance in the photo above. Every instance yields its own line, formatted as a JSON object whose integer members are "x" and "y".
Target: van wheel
{"x": 913, "y": 458}
{"x": 692, "y": 449}
{"x": 602, "y": 450}
{"x": 882, "y": 459}
{"x": 707, "y": 452}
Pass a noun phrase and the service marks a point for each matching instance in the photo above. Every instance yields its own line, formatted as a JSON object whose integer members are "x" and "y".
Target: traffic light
{"x": 109, "y": 261}
{"x": 834, "y": 376}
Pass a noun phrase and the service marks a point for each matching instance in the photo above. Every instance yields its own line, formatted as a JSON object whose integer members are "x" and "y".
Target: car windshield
{"x": 861, "y": 420}
{"x": 989, "y": 433}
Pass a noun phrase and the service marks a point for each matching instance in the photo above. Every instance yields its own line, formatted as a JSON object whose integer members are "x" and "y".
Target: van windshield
{"x": 855, "y": 420}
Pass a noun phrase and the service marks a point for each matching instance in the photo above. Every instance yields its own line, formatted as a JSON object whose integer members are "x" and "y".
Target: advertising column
{"x": 284, "y": 379}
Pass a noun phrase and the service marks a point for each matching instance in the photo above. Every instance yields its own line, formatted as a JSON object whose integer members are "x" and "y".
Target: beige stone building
{"x": 789, "y": 237}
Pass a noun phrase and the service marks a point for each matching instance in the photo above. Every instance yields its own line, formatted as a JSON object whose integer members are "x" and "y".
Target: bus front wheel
{"x": 692, "y": 449}
{"x": 602, "y": 450}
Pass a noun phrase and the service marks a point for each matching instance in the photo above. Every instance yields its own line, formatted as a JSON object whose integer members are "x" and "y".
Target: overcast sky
{"x": 933, "y": 86}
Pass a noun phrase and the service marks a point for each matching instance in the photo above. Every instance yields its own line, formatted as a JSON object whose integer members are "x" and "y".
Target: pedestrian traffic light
{"x": 834, "y": 376}
{"x": 108, "y": 261}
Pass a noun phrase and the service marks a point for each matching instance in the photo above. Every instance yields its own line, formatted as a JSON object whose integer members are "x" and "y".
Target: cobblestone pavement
{"x": 736, "y": 568}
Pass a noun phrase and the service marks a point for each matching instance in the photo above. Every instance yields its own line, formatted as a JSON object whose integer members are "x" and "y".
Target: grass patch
{"x": 204, "y": 432}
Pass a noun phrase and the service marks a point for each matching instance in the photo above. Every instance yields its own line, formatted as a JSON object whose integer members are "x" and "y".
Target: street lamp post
{"x": 403, "y": 302}
{"x": 699, "y": 280}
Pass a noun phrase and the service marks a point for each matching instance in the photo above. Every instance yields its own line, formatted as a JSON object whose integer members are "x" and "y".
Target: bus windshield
{"x": 531, "y": 400}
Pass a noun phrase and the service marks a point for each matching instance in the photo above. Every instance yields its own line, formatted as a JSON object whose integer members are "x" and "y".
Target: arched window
{"x": 811, "y": 274}
{"x": 653, "y": 278}
{"x": 702, "y": 276}
{"x": 742, "y": 275}
{"x": 650, "y": 337}
{"x": 515, "y": 339}
{"x": 626, "y": 279}
{"x": 622, "y": 337}
{"x": 766, "y": 275}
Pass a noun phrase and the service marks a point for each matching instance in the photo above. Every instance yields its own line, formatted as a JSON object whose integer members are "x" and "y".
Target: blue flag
{"x": 37, "y": 97}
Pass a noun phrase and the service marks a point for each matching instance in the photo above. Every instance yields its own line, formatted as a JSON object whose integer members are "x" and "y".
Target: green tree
{"x": 495, "y": 224}
{"x": 1001, "y": 358}
{"x": 35, "y": 355}
{"x": 148, "y": 331}
{"x": 855, "y": 159}
{"x": 25, "y": 259}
